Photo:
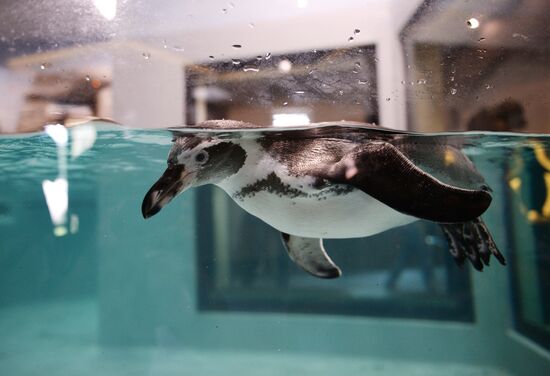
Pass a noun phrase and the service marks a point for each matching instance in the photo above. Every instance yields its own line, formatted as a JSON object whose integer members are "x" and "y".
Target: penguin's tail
{"x": 473, "y": 241}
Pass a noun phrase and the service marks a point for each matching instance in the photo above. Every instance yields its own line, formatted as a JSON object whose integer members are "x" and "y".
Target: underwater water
{"x": 87, "y": 286}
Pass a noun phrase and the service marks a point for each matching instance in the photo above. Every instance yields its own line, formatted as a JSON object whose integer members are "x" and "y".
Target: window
{"x": 300, "y": 88}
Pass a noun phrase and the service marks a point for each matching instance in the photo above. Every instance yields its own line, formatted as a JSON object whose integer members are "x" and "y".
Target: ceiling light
{"x": 107, "y": 8}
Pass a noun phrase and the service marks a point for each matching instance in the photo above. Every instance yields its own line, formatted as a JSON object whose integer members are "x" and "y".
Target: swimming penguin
{"x": 332, "y": 180}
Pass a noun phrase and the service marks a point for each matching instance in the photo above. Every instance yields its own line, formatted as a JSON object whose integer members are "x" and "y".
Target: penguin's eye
{"x": 201, "y": 156}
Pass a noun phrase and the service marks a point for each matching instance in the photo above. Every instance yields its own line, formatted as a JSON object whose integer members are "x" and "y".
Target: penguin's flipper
{"x": 382, "y": 171}
{"x": 471, "y": 240}
{"x": 310, "y": 255}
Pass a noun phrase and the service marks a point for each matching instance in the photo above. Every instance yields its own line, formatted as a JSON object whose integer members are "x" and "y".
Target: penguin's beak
{"x": 172, "y": 182}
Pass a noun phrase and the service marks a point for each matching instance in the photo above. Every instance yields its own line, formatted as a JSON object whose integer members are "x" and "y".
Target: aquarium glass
{"x": 88, "y": 90}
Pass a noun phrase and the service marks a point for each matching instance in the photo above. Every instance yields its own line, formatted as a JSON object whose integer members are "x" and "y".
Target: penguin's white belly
{"x": 351, "y": 215}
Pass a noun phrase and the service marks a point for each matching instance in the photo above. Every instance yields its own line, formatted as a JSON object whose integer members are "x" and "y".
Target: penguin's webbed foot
{"x": 473, "y": 241}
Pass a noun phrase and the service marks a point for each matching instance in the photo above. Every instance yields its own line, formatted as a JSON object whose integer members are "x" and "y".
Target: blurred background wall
{"x": 430, "y": 69}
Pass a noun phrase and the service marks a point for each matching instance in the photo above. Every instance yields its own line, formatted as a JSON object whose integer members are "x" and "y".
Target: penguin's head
{"x": 192, "y": 162}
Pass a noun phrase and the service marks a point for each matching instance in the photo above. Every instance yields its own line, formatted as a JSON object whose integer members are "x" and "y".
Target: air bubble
{"x": 268, "y": 56}
{"x": 236, "y": 61}
{"x": 350, "y": 39}
{"x": 236, "y": 46}
{"x": 251, "y": 25}
{"x": 358, "y": 65}
{"x": 146, "y": 55}
{"x": 472, "y": 23}
{"x": 361, "y": 82}
{"x": 284, "y": 66}
{"x": 453, "y": 91}
{"x": 251, "y": 69}
{"x": 87, "y": 78}
{"x": 356, "y": 31}
{"x": 388, "y": 99}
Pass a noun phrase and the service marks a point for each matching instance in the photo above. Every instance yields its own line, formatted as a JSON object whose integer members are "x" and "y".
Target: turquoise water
{"x": 205, "y": 289}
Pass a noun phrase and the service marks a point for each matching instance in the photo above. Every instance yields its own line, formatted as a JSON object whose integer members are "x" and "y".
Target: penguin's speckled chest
{"x": 310, "y": 188}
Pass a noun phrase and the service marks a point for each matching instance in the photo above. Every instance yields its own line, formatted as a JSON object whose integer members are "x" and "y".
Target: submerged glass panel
{"x": 405, "y": 272}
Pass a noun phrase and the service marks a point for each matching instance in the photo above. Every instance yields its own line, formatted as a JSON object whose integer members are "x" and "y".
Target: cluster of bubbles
{"x": 355, "y": 32}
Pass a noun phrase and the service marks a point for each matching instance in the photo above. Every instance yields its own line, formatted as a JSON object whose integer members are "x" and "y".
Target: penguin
{"x": 331, "y": 181}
